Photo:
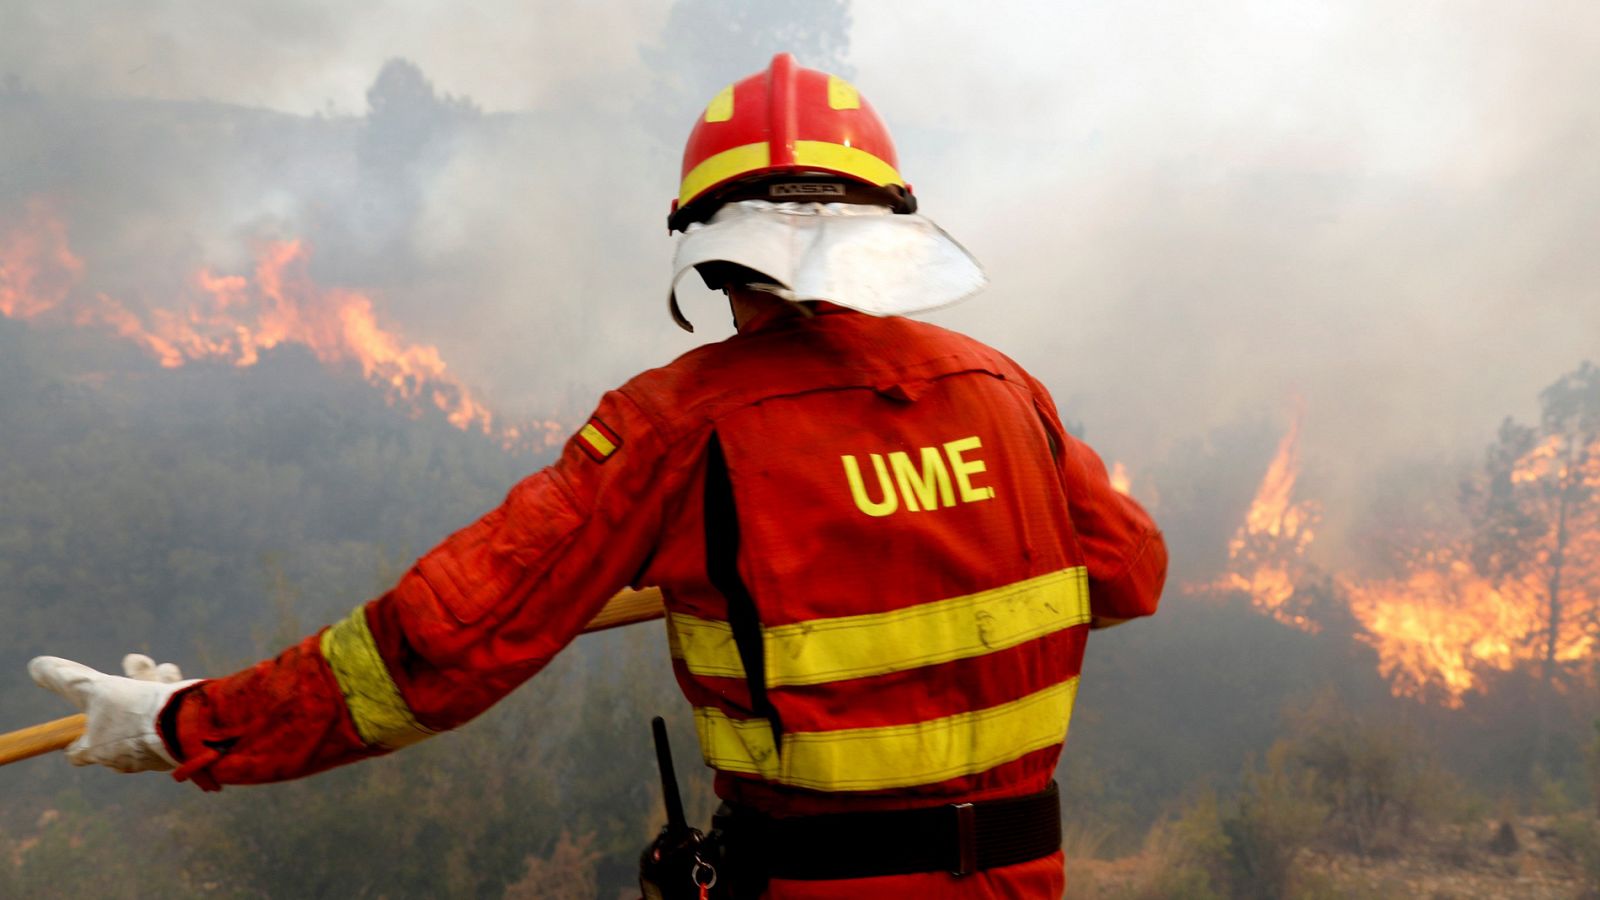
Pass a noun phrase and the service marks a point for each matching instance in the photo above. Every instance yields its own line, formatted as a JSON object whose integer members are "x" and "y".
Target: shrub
{"x": 1278, "y": 815}
{"x": 1186, "y": 857}
{"x": 1376, "y": 781}
{"x": 1578, "y": 837}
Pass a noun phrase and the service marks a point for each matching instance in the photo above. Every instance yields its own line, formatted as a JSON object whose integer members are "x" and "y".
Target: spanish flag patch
{"x": 598, "y": 441}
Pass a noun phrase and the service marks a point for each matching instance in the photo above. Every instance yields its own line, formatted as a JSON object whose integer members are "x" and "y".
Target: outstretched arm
{"x": 1122, "y": 547}
{"x": 474, "y": 618}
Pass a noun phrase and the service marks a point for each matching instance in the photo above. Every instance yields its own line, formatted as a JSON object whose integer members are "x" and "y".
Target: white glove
{"x": 122, "y": 711}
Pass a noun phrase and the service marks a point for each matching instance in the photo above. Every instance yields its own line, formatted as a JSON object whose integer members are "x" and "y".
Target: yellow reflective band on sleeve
{"x": 842, "y": 94}
{"x": 849, "y": 160}
{"x": 823, "y": 650}
{"x": 720, "y": 109}
{"x": 722, "y": 166}
{"x": 864, "y": 759}
{"x": 380, "y": 714}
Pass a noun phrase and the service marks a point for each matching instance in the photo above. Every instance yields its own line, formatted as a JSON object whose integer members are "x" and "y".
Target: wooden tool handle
{"x": 34, "y": 740}
{"x": 625, "y": 608}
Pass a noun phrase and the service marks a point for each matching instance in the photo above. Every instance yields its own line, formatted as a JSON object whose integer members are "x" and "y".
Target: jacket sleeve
{"x": 1123, "y": 550}
{"x": 472, "y": 619}
{"x": 1122, "y": 547}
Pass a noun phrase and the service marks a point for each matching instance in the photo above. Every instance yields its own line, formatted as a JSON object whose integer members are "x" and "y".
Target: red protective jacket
{"x": 882, "y": 520}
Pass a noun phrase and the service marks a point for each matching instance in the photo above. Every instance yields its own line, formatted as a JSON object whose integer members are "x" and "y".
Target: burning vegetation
{"x": 235, "y": 319}
{"x": 1515, "y": 587}
{"x": 1120, "y": 482}
{"x": 1268, "y": 552}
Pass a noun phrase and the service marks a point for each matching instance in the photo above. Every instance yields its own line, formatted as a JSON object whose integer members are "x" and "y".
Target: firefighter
{"x": 880, "y": 551}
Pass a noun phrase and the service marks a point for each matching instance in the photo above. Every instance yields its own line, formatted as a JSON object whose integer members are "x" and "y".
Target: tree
{"x": 410, "y": 134}
{"x": 1536, "y": 530}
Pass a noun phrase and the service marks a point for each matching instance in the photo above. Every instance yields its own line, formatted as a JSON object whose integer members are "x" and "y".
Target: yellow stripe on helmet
{"x": 729, "y": 164}
{"x": 720, "y": 109}
{"x": 721, "y": 167}
{"x": 842, "y": 94}
{"x": 849, "y": 160}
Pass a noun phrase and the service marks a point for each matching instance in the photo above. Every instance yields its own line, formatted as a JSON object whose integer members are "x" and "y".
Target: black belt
{"x": 959, "y": 838}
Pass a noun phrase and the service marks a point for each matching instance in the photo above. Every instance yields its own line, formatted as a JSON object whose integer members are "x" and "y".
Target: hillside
{"x": 1526, "y": 857}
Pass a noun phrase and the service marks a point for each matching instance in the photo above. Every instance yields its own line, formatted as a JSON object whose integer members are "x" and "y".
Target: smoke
{"x": 1191, "y": 215}
{"x": 1196, "y": 219}
{"x": 306, "y": 58}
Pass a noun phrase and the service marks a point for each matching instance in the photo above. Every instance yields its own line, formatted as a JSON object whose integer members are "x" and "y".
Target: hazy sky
{"x": 1190, "y": 212}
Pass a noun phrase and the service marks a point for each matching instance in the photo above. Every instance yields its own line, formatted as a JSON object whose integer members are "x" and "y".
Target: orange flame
{"x": 1437, "y": 628}
{"x": 37, "y": 268}
{"x": 236, "y": 319}
{"x": 1267, "y": 553}
{"x": 1273, "y": 512}
{"x": 1120, "y": 482}
{"x": 1441, "y": 625}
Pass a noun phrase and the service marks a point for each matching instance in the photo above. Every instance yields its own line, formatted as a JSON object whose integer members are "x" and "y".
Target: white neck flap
{"x": 865, "y": 258}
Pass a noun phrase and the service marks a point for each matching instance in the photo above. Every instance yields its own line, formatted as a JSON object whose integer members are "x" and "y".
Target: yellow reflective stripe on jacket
{"x": 381, "y": 715}
{"x": 864, "y": 759}
{"x": 835, "y": 649}
{"x": 736, "y": 745}
{"x": 705, "y": 645}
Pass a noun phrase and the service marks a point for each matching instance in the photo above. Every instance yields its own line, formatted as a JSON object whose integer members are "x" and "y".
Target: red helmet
{"x": 788, "y": 133}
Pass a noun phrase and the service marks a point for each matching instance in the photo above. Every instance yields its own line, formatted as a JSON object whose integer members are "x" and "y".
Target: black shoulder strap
{"x": 722, "y": 568}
